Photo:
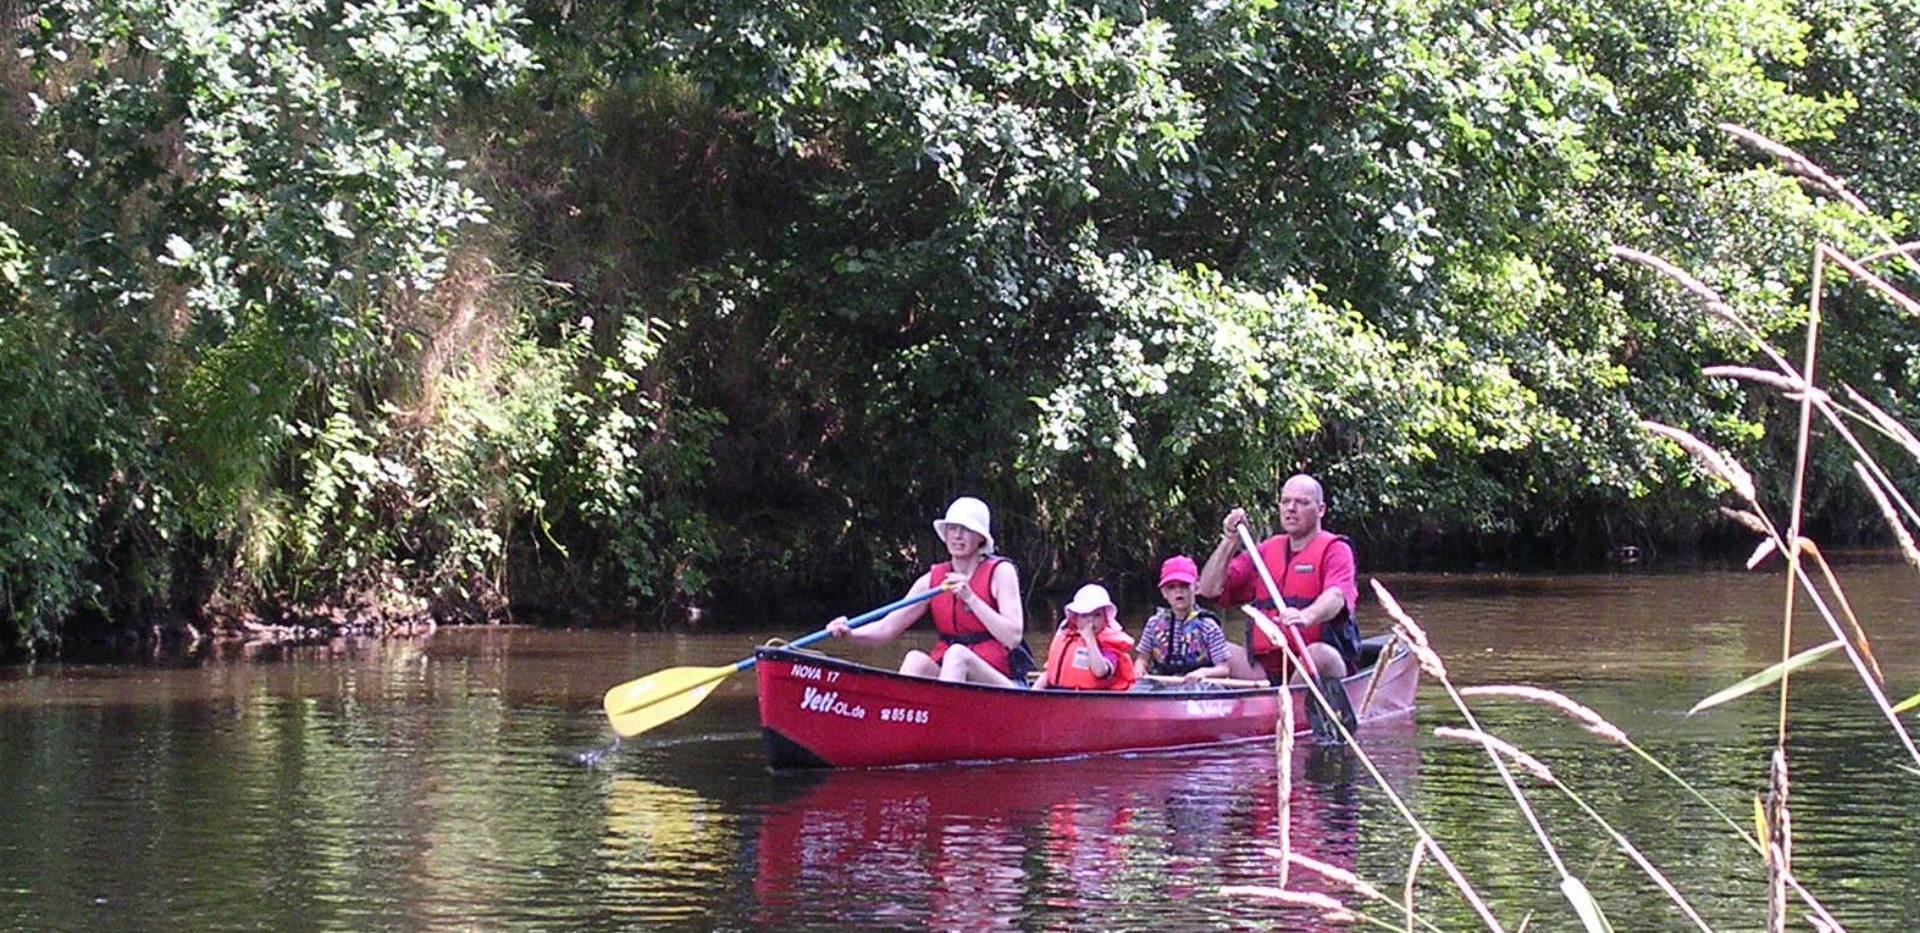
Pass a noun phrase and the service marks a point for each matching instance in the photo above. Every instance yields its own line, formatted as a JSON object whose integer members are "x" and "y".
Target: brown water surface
{"x": 437, "y": 784}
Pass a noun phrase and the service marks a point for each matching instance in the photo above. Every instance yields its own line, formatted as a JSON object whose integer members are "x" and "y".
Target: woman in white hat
{"x": 979, "y": 619}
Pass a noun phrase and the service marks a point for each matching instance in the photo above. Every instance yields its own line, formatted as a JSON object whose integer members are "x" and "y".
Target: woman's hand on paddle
{"x": 838, "y": 628}
{"x": 956, "y": 583}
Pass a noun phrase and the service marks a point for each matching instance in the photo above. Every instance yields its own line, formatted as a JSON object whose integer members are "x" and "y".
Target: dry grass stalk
{"x": 1625, "y": 845}
{"x": 1866, "y": 275}
{"x": 1832, "y": 414}
{"x": 1819, "y": 911}
{"x": 1527, "y": 762}
{"x": 1541, "y": 771}
{"x": 1410, "y": 631}
{"x": 1331, "y": 910}
{"x": 1708, "y": 297}
{"x": 1373, "y": 682}
{"x": 1748, "y": 520}
{"x": 1908, "y": 250}
{"x": 1723, "y": 467}
{"x": 1312, "y": 899}
{"x": 1452, "y": 870}
{"x": 1413, "y": 874}
{"x": 1588, "y": 719}
{"x": 1888, "y": 426}
{"x": 1418, "y": 638}
{"x": 1284, "y": 740}
{"x": 1859, "y": 663}
{"x": 1779, "y": 843}
{"x": 1333, "y": 873}
{"x": 1791, "y": 385}
{"x": 1900, "y": 532}
{"x": 1799, "y": 165}
{"x": 1846, "y": 607}
{"x": 1429, "y": 660}
{"x": 1414, "y": 633}
{"x": 1802, "y": 447}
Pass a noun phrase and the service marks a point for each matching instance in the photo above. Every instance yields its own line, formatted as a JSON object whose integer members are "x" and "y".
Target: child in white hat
{"x": 1090, "y": 650}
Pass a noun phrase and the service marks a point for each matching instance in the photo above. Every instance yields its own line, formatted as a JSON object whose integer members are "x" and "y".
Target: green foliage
{"x": 326, "y": 301}
{"x": 251, "y": 201}
{"x": 1118, "y": 268}
{"x": 623, "y": 484}
{"x": 43, "y": 517}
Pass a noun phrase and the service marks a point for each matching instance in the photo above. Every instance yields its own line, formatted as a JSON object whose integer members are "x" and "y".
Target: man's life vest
{"x": 957, "y": 625}
{"x": 1302, "y": 576}
{"x": 1068, "y": 665}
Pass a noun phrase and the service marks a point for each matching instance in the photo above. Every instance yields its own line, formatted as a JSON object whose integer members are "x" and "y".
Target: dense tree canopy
{"x": 414, "y": 307}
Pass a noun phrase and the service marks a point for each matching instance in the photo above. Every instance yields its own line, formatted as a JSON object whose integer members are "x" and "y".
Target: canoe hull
{"x": 821, "y": 712}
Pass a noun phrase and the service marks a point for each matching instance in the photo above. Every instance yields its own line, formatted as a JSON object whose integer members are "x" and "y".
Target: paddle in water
{"x": 639, "y": 705}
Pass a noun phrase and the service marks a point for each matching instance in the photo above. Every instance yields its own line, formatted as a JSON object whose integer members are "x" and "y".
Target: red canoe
{"x": 822, "y": 712}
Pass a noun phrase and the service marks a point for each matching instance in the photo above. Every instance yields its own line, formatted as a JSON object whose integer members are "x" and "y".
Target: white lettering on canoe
{"x": 1210, "y": 709}
{"x": 828, "y": 701}
{"x": 806, "y": 672}
{"x": 903, "y": 714}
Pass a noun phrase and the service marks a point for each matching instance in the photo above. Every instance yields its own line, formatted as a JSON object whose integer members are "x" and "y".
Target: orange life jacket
{"x": 1068, "y": 665}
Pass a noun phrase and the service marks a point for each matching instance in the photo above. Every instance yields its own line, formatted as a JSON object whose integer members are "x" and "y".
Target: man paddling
{"x": 979, "y": 618}
{"x": 1314, "y": 569}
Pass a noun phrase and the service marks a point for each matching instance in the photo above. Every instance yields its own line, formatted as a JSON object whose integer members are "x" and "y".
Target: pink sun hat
{"x": 1179, "y": 569}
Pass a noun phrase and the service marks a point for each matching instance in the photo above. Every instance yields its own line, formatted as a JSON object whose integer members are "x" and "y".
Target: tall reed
{"x": 1798, "y": 382}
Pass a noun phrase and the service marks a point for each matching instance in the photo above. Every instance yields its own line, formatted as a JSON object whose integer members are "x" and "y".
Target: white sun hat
{"x": 1093, "y": 598}
{"x": 971, "y": 514}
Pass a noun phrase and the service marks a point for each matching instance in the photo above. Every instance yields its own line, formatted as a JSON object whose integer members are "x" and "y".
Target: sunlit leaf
{"x": 1766, "y": 677}
{"x": 1907, "y": 704}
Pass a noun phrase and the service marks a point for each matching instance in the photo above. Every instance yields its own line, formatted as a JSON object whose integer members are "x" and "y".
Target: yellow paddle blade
{"x": 639, "y": 705}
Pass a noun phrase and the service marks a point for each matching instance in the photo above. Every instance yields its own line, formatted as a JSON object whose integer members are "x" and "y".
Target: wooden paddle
{"x": 1277, "y": 634}
{"x": 663, "y": 696}
{"x": 1331, "y": 696}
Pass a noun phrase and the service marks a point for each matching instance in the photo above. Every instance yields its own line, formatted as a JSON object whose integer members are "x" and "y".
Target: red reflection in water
{"x": 991, "y": 846}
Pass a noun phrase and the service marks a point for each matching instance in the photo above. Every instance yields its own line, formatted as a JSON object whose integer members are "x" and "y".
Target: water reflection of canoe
{"x": 821, "y": 712}
{"x": 1013, "y": 844}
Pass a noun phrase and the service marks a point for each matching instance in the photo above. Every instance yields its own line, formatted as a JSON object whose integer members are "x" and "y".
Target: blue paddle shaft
{"x": 854, "y": 622}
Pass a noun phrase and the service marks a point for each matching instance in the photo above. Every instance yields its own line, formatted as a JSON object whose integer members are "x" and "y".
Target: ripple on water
{"x": 441, "y": 787}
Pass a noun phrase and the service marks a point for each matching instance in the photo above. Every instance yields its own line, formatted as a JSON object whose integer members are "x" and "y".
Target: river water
{"x": 437, "y": 783}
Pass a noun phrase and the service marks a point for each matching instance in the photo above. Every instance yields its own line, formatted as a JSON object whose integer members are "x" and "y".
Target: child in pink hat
{"x": 1182, "y": 640}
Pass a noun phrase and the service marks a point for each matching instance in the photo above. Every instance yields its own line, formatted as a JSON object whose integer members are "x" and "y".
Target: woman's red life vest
{"x": 1067, "y": 668}
{"x": 958, "y": 625}
{"x": 1302, "y": 576}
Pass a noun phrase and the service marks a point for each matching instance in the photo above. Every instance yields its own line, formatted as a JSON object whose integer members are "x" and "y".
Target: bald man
{"x": 1314, "y": 569}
